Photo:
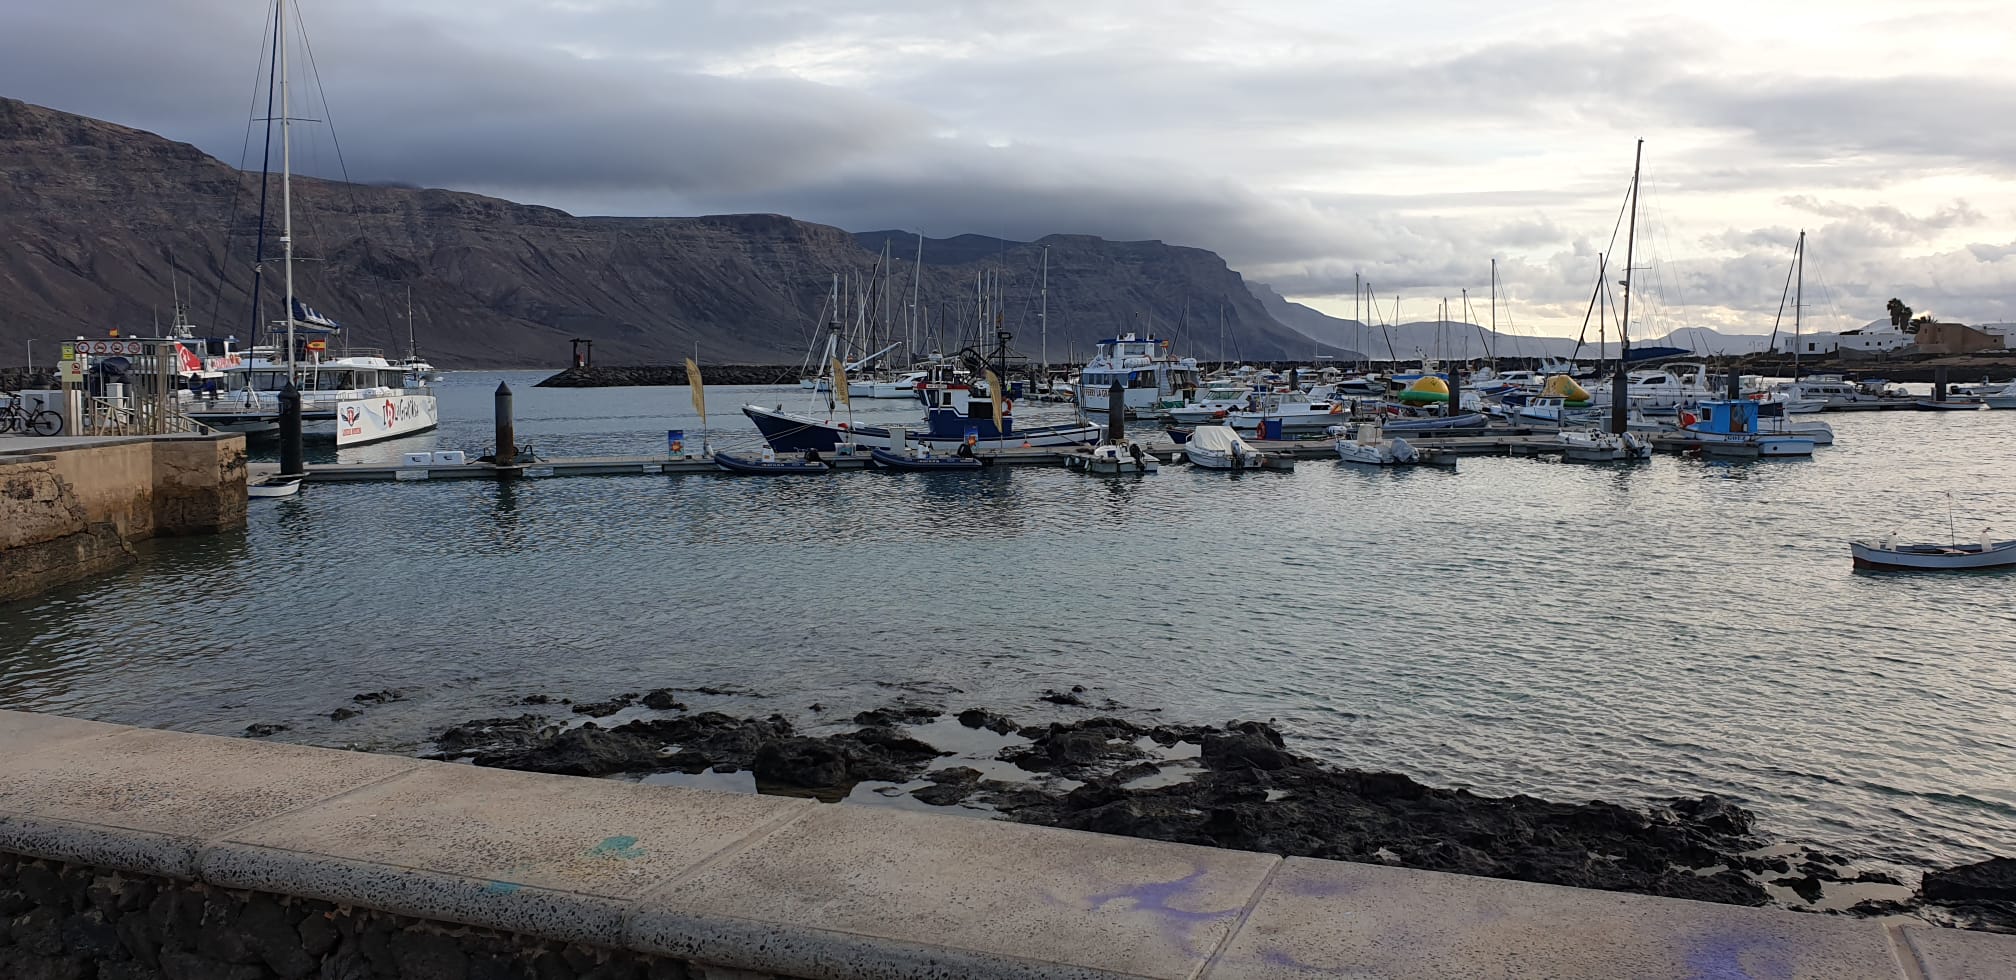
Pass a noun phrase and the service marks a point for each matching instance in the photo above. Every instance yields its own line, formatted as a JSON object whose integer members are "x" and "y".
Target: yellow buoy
{"x": 1427, "y": 388}
{"x": 1565, "y": 387}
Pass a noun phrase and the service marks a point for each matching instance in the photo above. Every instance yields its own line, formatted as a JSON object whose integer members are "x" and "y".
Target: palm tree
{"x": 1899, "y": 313}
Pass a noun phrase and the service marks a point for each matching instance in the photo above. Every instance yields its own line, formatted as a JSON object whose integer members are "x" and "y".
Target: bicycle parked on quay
{"x": 16, "y": 416}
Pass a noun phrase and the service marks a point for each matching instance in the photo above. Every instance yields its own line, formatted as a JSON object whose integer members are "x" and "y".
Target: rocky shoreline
{"x": 1239, "y": 785}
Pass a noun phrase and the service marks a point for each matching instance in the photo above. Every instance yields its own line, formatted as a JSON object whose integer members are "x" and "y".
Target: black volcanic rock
{"x": 1990, "y": 880}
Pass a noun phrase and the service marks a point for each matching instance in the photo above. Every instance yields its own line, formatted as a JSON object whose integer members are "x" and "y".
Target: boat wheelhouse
{"x": 1152, "y": 377}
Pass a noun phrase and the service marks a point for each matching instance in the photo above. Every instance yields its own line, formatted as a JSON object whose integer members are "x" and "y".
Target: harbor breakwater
{"x": 639, "y": 376}
{"x": 1898, "y": 368}
{"x": 24, "y": 378}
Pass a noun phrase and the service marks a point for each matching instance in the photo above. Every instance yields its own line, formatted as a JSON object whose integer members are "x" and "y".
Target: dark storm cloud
{"x": 414, "y": 103}
{"x": 613, "y": 106}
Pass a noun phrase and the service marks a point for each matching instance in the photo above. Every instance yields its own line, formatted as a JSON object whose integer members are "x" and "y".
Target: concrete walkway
{"x": 797, "y": 888}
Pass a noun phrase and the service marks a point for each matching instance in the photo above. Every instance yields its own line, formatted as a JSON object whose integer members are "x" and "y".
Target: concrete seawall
{"x": 140, "y": 853}
{"x": 71, "y": 508}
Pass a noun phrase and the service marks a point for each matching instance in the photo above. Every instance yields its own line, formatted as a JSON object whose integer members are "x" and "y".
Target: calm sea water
{"x": 1618, "y": 632}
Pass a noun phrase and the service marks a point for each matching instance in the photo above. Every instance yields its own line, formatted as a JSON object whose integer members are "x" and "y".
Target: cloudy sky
{"x": 1409, "y": 142}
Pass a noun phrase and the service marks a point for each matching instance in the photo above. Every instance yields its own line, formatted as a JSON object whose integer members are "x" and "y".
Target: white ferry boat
{"x": 1152, "y": 377}
{"x": 354, "y": 397}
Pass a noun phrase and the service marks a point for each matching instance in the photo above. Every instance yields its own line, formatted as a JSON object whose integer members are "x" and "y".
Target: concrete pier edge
{"x": 795, "y": 888}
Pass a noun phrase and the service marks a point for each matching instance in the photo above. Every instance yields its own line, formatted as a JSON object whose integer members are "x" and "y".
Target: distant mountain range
{"x": 1462, "y": 341}
{"x": 108, "y": 225}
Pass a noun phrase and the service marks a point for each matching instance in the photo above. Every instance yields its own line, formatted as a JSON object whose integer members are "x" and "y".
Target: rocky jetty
{"x": 649, "y": 375}
{"x": 17, "y": 379}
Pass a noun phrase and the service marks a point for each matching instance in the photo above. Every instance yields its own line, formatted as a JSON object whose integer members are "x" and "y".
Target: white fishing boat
{"x": 1661, "y": 390}
{"x": 902, "y": 386}
{"x": 1953, "y": 403}
{"x": 1219, "y": 447}
{"x": 1296, "y": 411}
{"x": 1113, "y": 460}
{"x": 1991, "y": 394}
{"x": 1820, "y": 393}
{"x": 1820, "y": 432}
{"x": 1370, "y": 447}
{"x": 1730, "y": 428}
{"x": 1595, "y": 446}
{"x": 1887, "y": 553}
{"x": 1152, "y": 377}
{"x": 1216, "y": 402}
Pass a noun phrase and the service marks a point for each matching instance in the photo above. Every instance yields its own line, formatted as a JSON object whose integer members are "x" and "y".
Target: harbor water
{"x": 1621, "y": 632}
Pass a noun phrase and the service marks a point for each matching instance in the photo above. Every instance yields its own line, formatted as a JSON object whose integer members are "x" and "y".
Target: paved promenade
{"x": 795, "y": 888}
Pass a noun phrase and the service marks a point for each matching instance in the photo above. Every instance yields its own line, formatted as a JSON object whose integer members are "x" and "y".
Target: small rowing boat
{"x": 1886, "y": 553}
{"x": 274, "y": 486}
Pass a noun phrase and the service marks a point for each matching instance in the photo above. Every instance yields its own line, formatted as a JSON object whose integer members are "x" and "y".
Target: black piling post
{"x": 290, "y": 431}
{"x": 1735, "y": 382}
{"x": 1116, "y": 412}
{"x": 1938, "y": 384}
{"x": 507, "y": 437}
{"x": 1620, "y": 401}
{"x": 1455, "y": 392}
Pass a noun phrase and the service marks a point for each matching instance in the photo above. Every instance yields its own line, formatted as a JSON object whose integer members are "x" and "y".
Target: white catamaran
{"x": 355, "y": 394}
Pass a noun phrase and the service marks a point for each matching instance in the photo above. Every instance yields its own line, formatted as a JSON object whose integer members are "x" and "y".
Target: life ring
{"x": 1687, "y": 419}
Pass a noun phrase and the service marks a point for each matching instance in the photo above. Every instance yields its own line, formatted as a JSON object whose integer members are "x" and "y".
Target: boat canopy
{"x": 1221, "y": 439}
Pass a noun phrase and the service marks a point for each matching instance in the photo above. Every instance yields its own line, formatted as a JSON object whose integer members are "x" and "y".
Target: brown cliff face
{"x": 105, "y": 224}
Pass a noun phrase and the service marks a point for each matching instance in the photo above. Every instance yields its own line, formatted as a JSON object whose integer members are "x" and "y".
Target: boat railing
{"x": 127, "y": 415}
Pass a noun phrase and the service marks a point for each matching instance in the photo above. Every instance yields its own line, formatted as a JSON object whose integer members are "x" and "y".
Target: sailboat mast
{"x": 1798, "y": 300}
{"x": 916, "y": 283}
{"x": 1494, "y": 306}
{"x": 1043, "y": 315}
{"x": 286, "y": 183}
{"x": 1619, "y": 396}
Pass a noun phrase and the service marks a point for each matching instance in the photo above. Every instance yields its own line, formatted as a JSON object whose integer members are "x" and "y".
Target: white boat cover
{"x": 1220, "y": 439}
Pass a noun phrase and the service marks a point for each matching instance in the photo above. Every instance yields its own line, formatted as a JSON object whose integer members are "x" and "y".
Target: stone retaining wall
{"x": 141, "y": 854}
{"x": 70, "y": 508}
{"x": 63, "y": 921}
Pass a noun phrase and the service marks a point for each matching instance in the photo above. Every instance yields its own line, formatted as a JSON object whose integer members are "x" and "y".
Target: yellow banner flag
{"x": 699, "y": 391}
{"x": 840, "y": 382}
{"x": 994, "y": 395}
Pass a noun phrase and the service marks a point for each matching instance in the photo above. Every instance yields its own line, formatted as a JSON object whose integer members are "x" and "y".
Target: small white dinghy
{"x": 1370, "y": 447}
{"x": 274, "y": 486}
{"x": 1886, "y": 553}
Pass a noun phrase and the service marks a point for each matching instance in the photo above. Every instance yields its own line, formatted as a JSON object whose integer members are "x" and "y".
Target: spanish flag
{"x": 840, "y": 382}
